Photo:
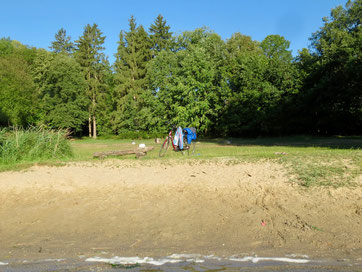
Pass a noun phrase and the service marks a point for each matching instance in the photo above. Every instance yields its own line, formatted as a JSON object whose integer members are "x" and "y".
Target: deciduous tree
{"x": 18, "y": 100}
{"x": 332, "y": 96}
{"x": 61, "y": 90}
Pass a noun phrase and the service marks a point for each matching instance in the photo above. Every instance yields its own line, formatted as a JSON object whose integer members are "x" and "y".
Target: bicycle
{"x": 188, "y": 148}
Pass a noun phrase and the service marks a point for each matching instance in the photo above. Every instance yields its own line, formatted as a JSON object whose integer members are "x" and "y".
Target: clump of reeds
{"x": 33, "y": 144}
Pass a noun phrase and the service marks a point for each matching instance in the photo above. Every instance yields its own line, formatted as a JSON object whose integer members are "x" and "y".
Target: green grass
{"x": 311, "y": 161}
{"x": 20, "y": 148}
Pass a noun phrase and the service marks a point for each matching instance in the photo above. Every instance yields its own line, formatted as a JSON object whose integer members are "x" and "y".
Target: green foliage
{"x": 238, "y": 87}
{"x": 61, "y": 90}
{"x": 34, "y": 144}
{"x": 135, "y": 135}
{"x": 332, "y": 73}
{"x": 23, "y": 52}
{"x": 261, "y": 86}
{"x": 161, "y": 37}
{"x": 187, "y": 83}
{"x": 62, "y": 43}
{"x": 18, "y": 102}
{"x": 89, "y": 55}
{"x": 6, "y": 47}
{"x": 276, "y": 47}
{"x": 239, "y": 44}
{"x": 130, "y": 96}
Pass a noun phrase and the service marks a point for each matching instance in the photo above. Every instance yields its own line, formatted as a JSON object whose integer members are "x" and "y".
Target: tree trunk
{"x": 90, "y": 126}
{"x": 90, "y": 110}
{"x": 94, "y": 127}
{"x": 94, "y": 115}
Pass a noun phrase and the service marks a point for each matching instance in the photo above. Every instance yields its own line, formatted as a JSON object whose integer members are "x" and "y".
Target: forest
{"x": 238, "y": 87}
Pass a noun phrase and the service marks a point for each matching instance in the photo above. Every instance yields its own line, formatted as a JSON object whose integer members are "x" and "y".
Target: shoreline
{"x": 188, "y": 262}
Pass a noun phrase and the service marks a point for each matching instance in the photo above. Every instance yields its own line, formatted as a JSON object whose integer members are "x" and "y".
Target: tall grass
{"x": 33, "y": 144}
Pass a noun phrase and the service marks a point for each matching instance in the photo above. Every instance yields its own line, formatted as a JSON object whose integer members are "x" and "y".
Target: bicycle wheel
{"x": 186, "y": 150}
{"x": 164, "y": 147}
{"x": 189, "y": 149}
{"x": 192, "y": 148}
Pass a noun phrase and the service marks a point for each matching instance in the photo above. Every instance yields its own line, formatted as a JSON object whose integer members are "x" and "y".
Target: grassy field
{"x": 311, "y": 161}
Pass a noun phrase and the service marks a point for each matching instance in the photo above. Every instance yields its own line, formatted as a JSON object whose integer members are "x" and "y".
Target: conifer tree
{"x": 160, "y": 35}
{"x": 130, "y": 76}
{"x": 89, "y": 55}
{"x": 62, "y": 43}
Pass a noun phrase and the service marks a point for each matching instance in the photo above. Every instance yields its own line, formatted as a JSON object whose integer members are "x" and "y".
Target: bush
{"x": 33, "y": 144}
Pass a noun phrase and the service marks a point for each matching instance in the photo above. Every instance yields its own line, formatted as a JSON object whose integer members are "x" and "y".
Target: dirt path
{"x": 148, "y": 208}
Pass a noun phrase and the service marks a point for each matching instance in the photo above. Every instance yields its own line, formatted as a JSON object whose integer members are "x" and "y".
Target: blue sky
{"x": 35, "y": 22}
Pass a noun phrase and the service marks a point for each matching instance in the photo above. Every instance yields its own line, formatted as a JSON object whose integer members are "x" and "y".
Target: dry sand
{"x": 150, "y": 208}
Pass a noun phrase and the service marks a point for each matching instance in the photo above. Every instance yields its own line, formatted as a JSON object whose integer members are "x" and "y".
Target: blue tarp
{"x": 190, "y": 134}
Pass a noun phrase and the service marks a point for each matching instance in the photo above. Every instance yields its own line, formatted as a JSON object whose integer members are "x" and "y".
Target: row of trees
{"x": 237, "y": 87}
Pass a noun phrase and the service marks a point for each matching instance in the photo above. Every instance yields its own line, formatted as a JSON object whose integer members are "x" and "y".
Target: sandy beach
{"x": 153, "y": 208}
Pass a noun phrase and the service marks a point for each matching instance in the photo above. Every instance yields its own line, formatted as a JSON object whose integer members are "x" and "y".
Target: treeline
{"x": 237, "y": 87}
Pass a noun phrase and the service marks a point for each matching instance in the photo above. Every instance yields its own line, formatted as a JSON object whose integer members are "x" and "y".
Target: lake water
{"x": 184, "y": 262}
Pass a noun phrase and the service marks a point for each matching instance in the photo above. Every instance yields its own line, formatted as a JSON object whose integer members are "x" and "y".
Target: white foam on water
{"x": 174, "y": 258}
{"x": 3, "y": 263}
{"x": 298, "y": 256}
{"x": 197, "y": 258}
{"x": 53, "y": 260}
{"x": 184, "y": 256}
{"x": 212, "y": 257}
{"x": 43, "y": 260}
{"x": 257, "y": 259}
{"x": 133, "y": 260}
